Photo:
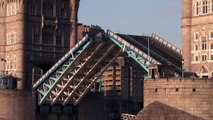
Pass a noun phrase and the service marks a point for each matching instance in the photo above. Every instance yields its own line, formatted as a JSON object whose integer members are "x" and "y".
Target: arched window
{"x": 48, "y": 9}
{"x": 47, "y": 36}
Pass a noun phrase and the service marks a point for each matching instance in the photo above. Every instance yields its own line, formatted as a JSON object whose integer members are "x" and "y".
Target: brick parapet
{"x": 190, "y": 97}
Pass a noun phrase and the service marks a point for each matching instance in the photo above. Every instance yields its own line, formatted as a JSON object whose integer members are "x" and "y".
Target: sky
{"x": 137, "y": 17}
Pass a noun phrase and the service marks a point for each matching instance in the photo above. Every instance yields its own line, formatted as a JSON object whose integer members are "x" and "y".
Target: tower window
{"x": 205, "y": 7}
{"x": 48, "y": 9}
{"x": 196, "y": 47}
{"x": 59, "y": 38}
{"x": 204, "y": 45}
{"x": 211, "y": 34}
{"x": 11, "y": 9}
{"x": 211, "y": 57}
{"x": 11, "y": 38}
{"x": 196, "y": 58}
{"x": 11, "y": 63}
{"x": 33, "y": 9}
{"x": 197, "y": 8}
{"x": 35, "y": 35}
{"x": 204, "y": 57}
{"x": 196, "y": 36}
{"x": 47, "y": 36}
{"x": 212, "y": 5}
{"x": 63, "y": 13}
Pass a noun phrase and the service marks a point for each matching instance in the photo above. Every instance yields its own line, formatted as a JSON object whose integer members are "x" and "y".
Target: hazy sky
{"x": 139, "y": 17}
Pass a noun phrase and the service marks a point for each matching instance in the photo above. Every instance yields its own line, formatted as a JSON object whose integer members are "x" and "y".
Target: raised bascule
{"x": 73, "y": 76}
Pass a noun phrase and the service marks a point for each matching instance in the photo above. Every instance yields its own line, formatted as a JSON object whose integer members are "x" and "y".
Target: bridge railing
{"x": 166, "y": 43}
{"x": 145, "y": 55}
{"x": 126, "y": 44}
{"x": 61, "y": 61}
{"x": 125, "y": 116}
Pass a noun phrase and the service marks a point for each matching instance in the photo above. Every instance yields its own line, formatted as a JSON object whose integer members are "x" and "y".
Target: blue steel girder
{"x": 80, "y": 90}
{"x": 63, "y": 80}
{"x": 85, "y": 41}
{"x": 75, "y": 87}
{"x": 138, "y": 55}
{"x": 76, "y": 74}
{"x": 95, "y": 76}
{"x": 46, "y": 85}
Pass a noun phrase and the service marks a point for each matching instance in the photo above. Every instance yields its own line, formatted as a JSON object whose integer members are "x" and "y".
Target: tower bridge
{"x": 72, "y": 77}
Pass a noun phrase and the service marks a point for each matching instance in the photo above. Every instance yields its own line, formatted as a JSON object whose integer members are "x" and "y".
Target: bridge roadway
{"x": 158, "y": 51}
{"x": 71, "y": 78}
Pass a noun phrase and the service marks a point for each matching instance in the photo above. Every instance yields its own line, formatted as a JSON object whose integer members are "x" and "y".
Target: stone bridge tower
{"x": 34, "y": 34}
{"x": 197, "y": 35}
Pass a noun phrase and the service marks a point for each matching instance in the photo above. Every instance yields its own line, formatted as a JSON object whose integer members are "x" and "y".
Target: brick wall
{"x": 16, "y": 105}
{"x": 21, "y": 105}
{"x": 175, "y": 99}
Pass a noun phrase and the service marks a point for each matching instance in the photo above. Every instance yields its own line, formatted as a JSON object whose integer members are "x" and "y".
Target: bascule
{"x": 72, "y": 77}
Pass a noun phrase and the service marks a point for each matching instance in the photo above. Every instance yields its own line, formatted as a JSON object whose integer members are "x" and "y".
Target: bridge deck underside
{"x": 73, "y": 85}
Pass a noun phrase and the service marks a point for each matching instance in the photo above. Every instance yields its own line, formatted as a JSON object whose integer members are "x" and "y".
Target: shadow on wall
{"x": 161, "y": 111}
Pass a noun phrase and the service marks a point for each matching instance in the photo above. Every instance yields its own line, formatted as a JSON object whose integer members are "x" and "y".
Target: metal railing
{"x": 128, "y": 45}
{"x": 61, "y": 61}
{"x": 166, "y": 43}
{"x": 125, "y": 116}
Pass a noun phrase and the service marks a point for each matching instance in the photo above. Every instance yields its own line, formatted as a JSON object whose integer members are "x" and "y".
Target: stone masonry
{"x": 177, "y": 99}
{"x": 197, "y": 36}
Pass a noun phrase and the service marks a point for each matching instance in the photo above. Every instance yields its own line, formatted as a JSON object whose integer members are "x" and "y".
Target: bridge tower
{"x": 34, "y": 34}
{"x": 197, "y": 34}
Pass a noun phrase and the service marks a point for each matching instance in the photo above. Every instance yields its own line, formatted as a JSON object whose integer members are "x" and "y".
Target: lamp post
{"x": 148, "y": 58}
{"x": 148, "y": 51}
{"x": 182, "y": 68}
